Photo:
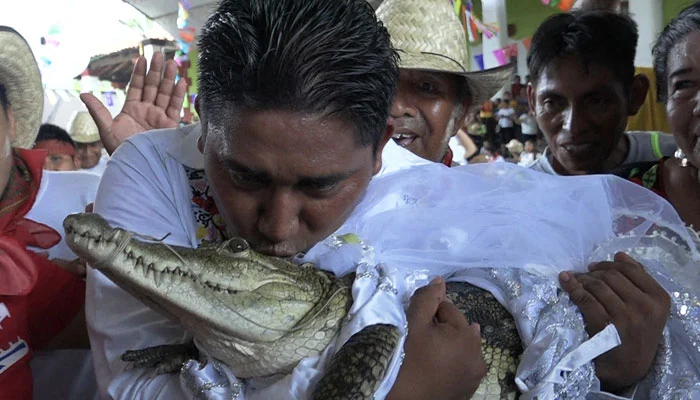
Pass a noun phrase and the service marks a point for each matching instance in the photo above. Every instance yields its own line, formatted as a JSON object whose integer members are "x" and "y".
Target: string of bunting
{"x": 563, "y": 5}
{"x": 472, "y": 24}
{"x": 504, "y": 54}
{"x": 186, "y": 33}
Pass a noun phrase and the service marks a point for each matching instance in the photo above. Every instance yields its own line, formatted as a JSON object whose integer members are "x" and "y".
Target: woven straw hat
{"x": 428, "y": 36}
{"x": 514, "y": 146}
{"x": 19, "y": 74}
{"x": 83, "y": 128}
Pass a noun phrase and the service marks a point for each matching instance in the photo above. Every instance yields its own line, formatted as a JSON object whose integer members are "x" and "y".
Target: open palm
{"x": 153, "y": 101}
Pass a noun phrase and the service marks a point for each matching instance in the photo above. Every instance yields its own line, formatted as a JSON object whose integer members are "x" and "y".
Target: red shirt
{"x": 34, "y": 319}
{"x": 38, "y": 298}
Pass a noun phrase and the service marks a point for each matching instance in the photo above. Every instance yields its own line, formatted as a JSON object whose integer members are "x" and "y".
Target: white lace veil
{"x": 499, "y": 215}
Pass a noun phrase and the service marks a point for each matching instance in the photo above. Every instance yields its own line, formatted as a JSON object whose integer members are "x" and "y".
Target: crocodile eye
{"x": 238, "y": 245}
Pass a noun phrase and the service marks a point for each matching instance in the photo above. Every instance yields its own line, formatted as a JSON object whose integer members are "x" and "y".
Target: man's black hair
{"x": 53, "y": 132}
{"x": 687, "y": 21}
{"x": 332, "y": 58}
{"x": 600, "y": 37}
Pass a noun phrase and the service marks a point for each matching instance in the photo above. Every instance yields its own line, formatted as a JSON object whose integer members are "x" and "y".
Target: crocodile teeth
{"x": 158, "y": 278}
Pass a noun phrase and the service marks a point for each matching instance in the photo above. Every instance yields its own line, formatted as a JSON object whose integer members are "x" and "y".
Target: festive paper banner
{"x": 186, "y": 33}
{"x": 479, "y": 58}
{"x": 566, "y": 5}
{"x": 474, "y": 25}
{"x": 501, "y": 57}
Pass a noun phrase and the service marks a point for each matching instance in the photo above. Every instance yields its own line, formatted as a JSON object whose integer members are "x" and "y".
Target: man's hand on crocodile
{"x": 623, "y": 293}
{"x": 443, "y": 351}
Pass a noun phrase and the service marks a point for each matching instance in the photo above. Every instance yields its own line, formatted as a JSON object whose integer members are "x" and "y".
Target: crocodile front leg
{"x": 166, "y": 359}
{"x": 358, "y": 368}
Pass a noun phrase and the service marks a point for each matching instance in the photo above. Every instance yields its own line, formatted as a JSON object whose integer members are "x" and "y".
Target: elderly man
{"x": 584, "y": 89}
{"x": 436, "y": 91}
{"x": 91, "y": 153}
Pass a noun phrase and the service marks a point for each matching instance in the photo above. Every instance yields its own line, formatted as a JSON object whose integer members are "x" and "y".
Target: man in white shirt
{"x": 528, "y": 126}
{"x": 506, "y": 122}
{"x": 582, "y": 101}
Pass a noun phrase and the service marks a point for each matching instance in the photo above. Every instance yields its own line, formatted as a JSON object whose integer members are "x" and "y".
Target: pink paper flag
{"x": 500, "y": 57}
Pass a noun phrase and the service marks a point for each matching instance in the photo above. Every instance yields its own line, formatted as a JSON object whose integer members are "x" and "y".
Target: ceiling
{"x": 164, "y": 12}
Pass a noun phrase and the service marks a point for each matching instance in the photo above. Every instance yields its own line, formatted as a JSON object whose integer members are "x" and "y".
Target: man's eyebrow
{"x": 548, "y": 93}
{"x": 324, "y": 180}
{"x": 235, "y": 166}
{"x": 681, "y": 71}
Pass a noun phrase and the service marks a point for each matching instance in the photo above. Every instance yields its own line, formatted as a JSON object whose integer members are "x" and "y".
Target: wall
{"x": 671, "y": 8}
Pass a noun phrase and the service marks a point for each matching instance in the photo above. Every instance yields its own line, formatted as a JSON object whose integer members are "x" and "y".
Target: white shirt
{"x": 62, "y": 193}
{"x": 506, "y": 117}
{"x": 528, "y": 124}
{"x": 526, "y": 159}
{"x": 644, "y": 147}
{"x": 458, "y": 151}
{"x": 63, "y": 374}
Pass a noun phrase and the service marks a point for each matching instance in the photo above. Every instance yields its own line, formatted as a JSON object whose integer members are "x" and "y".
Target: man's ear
{"x": 638, "y": 93}
{"x": 531, "y": 97}
{"x": 202, "y": 137}
{"x": 76, "y": 161}
{"x": 388, "y": 133}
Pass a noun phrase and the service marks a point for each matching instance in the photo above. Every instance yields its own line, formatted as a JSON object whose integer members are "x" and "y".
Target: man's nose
{"x": 279, "y": 216}
{"x": 574, "y": 121}
{"x": 403, "y": 106}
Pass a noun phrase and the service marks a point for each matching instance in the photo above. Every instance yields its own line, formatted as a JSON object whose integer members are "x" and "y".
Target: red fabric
{"x": 36, "y": 318}
{"x": 41, "y": 297}
{"x": 55, "y": 147}
{"x": 447, "y": 159}
{"x": 17, "y": 232}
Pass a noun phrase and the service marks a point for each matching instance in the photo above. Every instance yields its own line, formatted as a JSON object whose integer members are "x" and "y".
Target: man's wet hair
{"x": 53, "y": 132}
{"x": 332, "y": 58}
{"x": 688, "y": 21}
{"x": 599, "y": 37}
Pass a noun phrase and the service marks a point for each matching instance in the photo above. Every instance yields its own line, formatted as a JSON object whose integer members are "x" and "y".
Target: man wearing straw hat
{"x": 86, "y": 136}
{"x": 436, "y": 91}
{"x": 38, "y": 298}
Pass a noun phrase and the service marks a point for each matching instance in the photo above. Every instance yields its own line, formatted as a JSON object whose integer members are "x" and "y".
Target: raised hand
{"x": 443, "y": 351}
{"x": 151, "y": 102}
{"x": 623, "y": 293}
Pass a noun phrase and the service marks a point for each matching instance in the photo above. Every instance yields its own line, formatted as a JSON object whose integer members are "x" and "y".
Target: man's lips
{"x": 577, "y": 148}
{"x": 404, "y": 139}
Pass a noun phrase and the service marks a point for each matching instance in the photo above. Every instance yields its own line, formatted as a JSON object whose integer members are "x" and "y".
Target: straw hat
{"x": 83, "y": 128}
{"x": 428, "y": 36}
{"x": 19, "y": 74}
{"x": 514, "y": 146}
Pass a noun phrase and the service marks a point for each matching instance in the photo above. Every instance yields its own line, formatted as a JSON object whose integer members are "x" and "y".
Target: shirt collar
{"x": 185, "y": 150}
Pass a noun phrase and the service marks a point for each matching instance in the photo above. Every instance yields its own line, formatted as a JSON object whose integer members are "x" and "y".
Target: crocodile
{"x": 261, "y": 315}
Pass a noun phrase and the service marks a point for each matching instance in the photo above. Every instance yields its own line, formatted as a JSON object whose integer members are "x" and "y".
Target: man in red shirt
{"x": 38, "y": 298}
